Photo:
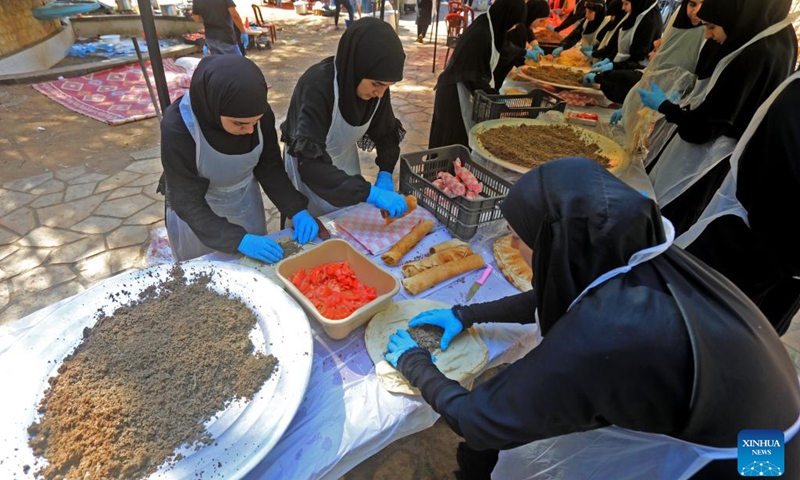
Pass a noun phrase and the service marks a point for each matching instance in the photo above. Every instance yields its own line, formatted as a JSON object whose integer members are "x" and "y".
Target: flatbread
{"x": 463, "y": 360}
{"x": 511, "y": 264}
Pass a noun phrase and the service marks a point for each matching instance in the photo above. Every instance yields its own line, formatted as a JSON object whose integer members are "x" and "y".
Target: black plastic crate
{"x": 530, "y": 105}
{"x": 461, "y": 216}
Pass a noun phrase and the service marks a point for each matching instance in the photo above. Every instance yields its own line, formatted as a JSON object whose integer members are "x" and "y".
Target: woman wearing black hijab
{"x": 471, "y": 68}
{"x": 628, "y": 49}
{"x": 338, "y": 105}
{"x": 757, "y": 50}
{"x": 744, "y": 232}
{"x": 586, "y": 32}
{"x": 513, "y": 52}
{"x": 642, "y": 349}
{"x": 218, "y": 143}
{"x": 679, "y": 47}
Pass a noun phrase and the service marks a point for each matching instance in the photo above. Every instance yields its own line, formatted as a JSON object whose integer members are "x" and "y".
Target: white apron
{"x": 625, "y": 38}
{"x": 233, "y": 191}
{"x": 588, "y": 40}
{"x": 340, "y": 144}
{"x": 724, "y": 201}
{"x": 464, "y": 95}
{"x": 682, "y": 164}
{"x": 610, "y": 34}
{"x": 613, "y": 452}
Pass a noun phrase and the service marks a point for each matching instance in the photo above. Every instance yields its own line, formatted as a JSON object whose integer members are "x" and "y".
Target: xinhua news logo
{"x": 761, "y": 453}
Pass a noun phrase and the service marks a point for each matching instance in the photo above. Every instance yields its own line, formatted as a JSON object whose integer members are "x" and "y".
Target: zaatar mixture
{"x": 428, "y": 337}
{"x": 532, "y": 145}
{"x": 145, "y": 379}
{"x": 547, "y": 73}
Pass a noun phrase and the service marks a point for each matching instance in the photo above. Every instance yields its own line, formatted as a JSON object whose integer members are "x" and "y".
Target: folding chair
{"x": 270, "y": 26}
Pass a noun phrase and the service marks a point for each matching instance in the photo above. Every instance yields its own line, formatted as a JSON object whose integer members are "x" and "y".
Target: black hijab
{"x": 637, "y": 7}
{"x": 505, "y": 14}
{"x": 536, "y": 9}
{"x": 470, "y": 60}
{"x": 599, "y": 9}
{"x": 230, "y": 86}
{"x": 581, "y": 222}
{"x": 742, "y": 19}
{"x": 369, "y": 48}
{"x": 682, "y": 19}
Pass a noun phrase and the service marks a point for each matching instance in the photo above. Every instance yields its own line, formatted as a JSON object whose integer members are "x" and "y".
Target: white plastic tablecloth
{"x": 346, "y": 416}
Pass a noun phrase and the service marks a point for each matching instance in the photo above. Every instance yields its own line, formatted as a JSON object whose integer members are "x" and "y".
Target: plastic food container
{"x": 368, "y": 272}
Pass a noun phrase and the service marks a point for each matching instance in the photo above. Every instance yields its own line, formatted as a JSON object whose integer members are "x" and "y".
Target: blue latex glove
{"x": 616, "y": 117}
{"x": 588, "y": 79}
{"x": 601, "y": 62}
{"x": 534, "y": 53}
{"x": 392, "y": 202}
{"x": 441, "y": 317}
{"x": 400, "y": 343}
{"x": 384, "y": 181}
{"x": 245, "y": 40}
{"x": 603, "y": 66}
{"x": 305, "y": 227}
{"x": 261, "y": 248}
{"x": 652, "y": 98}
{"x": 587, "y": 52}
{"x": 557, "y": 52}
{"x": 205, "y": 50}
{"x": 551, "y": 28}
{"x": 558, "y": 11}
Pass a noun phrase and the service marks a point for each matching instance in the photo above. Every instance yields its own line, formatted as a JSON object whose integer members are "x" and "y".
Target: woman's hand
{"x": 261, "y": 248}
{"x": 392, "y": 202}
{"x": 305, "y": 227}
{"x": 441, "y": 317}
{"x": 400, "y": 343}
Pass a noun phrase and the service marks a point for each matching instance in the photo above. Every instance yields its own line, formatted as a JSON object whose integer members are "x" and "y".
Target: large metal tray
{"x": 32, "y": 350}
{"x": 608, "y": 147}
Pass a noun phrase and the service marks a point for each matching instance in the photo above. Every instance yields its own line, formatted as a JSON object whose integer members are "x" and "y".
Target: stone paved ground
{"x": 64, "y": 230}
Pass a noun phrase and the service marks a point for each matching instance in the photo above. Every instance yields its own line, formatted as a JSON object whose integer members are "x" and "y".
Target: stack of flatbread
{"x": 511, "y": 264}
{"x": 445, "y": 261}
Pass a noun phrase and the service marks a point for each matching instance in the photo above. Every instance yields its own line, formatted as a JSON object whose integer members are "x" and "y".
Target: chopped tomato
{"x": 333, "y": 289}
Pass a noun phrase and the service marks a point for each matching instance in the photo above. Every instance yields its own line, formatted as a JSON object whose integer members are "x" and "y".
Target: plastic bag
{"x": 159, "y": 251}
{"x": 639, "y": 120}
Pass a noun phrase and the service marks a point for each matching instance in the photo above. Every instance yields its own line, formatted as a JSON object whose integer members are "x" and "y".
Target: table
{"x": 346, "y": 416}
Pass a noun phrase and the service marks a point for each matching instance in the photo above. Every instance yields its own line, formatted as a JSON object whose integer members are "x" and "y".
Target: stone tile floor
{"x": 62, "y": 231}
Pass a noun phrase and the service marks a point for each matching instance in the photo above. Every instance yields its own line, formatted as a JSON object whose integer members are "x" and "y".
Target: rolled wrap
{"x": 434, "y": 276}
{"x": 411, "y": 203}
{"x": 394, "y": 254}
{"x": 448, "y": 244}
{"x": 413, "y": 268}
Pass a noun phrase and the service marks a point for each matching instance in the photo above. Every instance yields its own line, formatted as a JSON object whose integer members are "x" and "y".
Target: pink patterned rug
{"x": 115, "y": 96}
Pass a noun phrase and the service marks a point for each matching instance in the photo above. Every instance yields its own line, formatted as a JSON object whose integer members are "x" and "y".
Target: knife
{"x": 323, "y": 234}
{"x": 475, "y": 286}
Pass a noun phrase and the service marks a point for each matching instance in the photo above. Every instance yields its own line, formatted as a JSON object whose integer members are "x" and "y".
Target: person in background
{"x": 339, "y": 105}
{"x": 424, "y": 13}
{"x": 634, "y": 42}
{"x": 586, "y": 33}
{"x": 615, "y": 14}
{"x": 744, "y": 232}
{"x": 576, "y": 15}
{"x": 221, "y": 22}
{"x": 638, "y": 340}
{"x": 338, "y": 4}
{"x": 514, "y": 52}
{"x": 757, "y": 50}
{"x": 471, "y": 68}
{"x": 678, "y": 47}
{"x": 218, "y": 143}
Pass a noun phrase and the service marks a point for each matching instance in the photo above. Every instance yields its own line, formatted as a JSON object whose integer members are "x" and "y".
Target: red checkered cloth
{"x": 369, "y": 229}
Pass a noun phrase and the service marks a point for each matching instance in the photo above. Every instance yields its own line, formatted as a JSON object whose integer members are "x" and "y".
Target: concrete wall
{"x": 19, "y": 29}
{"x": 41, "y": 56}
{"x": 128, "y": 25}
